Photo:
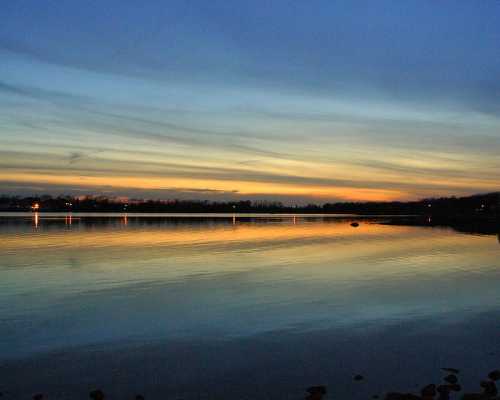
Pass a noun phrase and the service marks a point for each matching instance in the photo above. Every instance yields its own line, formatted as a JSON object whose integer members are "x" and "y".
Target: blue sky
{"x": 290, "y": 100}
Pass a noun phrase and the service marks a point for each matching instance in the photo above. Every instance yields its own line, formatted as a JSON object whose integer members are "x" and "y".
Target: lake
{"x": 221, "y": 307}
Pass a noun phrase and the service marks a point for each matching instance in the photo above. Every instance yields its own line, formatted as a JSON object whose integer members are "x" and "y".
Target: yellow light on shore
{"x": 35, "y": 207}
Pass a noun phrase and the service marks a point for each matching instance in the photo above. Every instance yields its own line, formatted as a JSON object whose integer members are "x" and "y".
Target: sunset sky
{"x": 287, "y": 100}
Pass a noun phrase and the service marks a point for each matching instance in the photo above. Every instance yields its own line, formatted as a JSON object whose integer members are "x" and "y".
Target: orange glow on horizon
{"x": 241, "y": 187}
{"x": 244, "y": 188}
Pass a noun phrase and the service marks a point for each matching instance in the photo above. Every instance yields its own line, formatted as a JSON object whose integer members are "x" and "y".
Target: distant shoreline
{"x": 485, "y": 206}
{"x": 201, "y": 214}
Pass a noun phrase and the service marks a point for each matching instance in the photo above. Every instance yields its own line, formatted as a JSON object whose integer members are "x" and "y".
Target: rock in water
{"x": 451, "y": 379}
{"x": 444, "y": 392}
{"x": 316, "y": 389}
{"x": 473, "y": 396}
{"x": 452, "y": 370}
{"x": 316, "y": 392}
{"x": 455, "y": 387}
{"x": 494, "y": 375}
{"x": 354, "y": 224}
{"x": 358, "y": 377}
{"x": 401, "y": 396}
{"x": 96, "y": 394}
{"x": 489, "y": 388}
{"x": 428, "y": 391}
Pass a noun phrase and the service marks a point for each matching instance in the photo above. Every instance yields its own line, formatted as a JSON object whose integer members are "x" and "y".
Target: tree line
{"x": 477, "y": 205}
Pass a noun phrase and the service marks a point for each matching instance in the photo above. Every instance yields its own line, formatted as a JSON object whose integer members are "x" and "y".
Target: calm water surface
{"x": 249, "y": 307}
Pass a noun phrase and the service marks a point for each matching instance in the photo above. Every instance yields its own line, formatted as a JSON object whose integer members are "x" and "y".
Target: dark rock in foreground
{"x": 401, "y": 396}
{"x": 444, "y": 392}
{"x": 96, "y": 395}
{"x": 494, "y": 375}
{"x": 316, "y": 392}
{"x": 452, "y": 370}
{"x": 455, "y": 387}
{"x": 451, "y": 379}
{"x": 489, "y": 388}
{"x": 473, "y": 396}
{"x": 428, "y": 391}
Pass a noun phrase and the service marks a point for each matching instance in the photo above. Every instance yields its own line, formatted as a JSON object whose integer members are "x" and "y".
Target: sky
{"x": 296, "y": 101}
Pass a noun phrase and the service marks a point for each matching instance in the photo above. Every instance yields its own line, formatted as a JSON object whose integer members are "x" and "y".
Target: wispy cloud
{"x": 199, "y": 102}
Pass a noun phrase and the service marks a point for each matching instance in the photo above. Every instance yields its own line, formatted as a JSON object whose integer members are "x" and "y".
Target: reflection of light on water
{"x": 294, "y": 220}
{"x": 234, "y": 219}
{"x": 68, "y": 219}
{"x": 36, "y": 219}
{"x": 125, "y": 219}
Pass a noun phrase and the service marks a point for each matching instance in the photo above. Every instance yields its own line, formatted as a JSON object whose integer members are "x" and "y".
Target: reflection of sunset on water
{"x": 328, "y": 249}
{"x": 238, "y": 231}
{"x": 111, "y": 277}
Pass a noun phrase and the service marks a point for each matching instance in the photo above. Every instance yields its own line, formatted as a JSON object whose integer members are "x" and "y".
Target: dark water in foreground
{"x": 200, "y": 308}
